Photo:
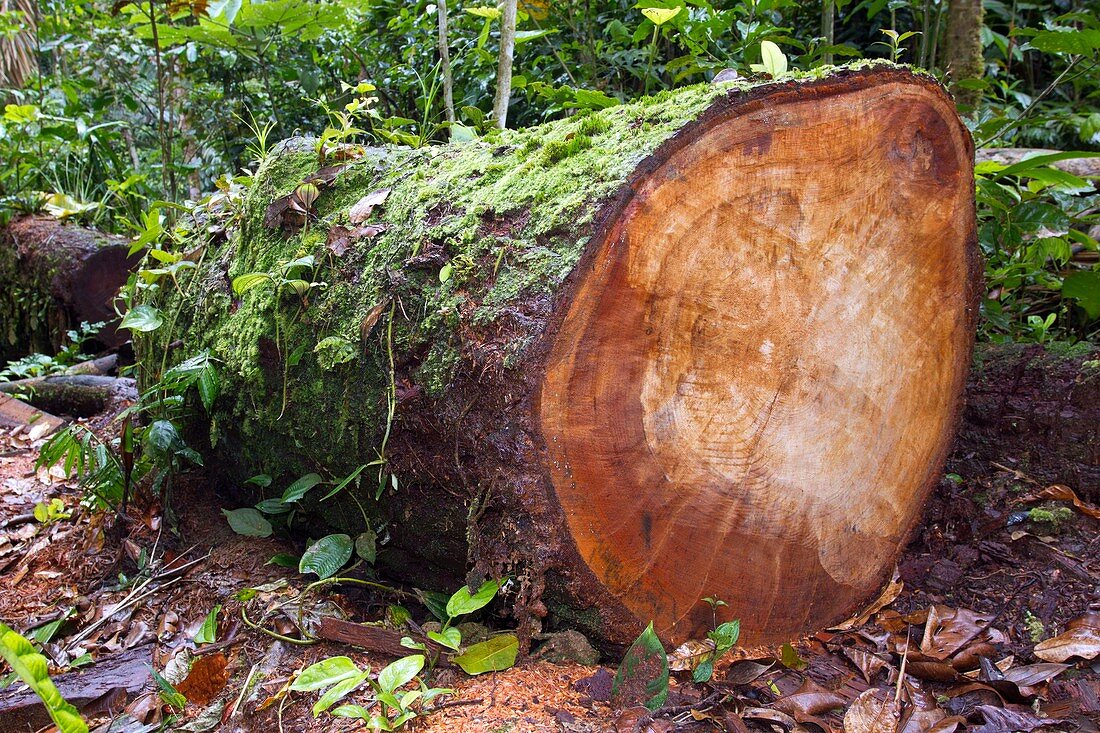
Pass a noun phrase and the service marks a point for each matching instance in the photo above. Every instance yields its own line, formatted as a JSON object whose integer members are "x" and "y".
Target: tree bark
{"x": 707, "y": 344}
{"x": 445, "y": 68}
{"x": 963, "y": 48}
{"x": 504, "y": 64}
{"x": 53, "y": 276}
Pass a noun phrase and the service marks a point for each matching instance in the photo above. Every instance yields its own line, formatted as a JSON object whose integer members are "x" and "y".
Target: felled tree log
{"x": 1083, "y": 167}
{"x": 711, "y": 343}
{"x": 78, "y": 395}
{"x": 53, "y": 276}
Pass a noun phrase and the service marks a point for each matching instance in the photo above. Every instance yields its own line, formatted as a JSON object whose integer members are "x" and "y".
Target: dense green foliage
{"x": 133, "y": 108}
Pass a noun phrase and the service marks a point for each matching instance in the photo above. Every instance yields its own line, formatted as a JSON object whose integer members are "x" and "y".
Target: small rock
{"x": 598, "y": 686}
{"x": 567, "y": 646}
{"x": 562, "y": 716}
{"x": 473, "y": 633}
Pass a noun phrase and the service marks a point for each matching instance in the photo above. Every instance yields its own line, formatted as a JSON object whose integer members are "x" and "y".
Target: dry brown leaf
{"x": 744, "y": 671}
{"x": 948, "y": 630}
{"x": 1079, "y": 641}
{"x": 363, "y": 208}
{"x": 933, "y": 671}
{"x": 874, "y": 711}
{"x": 1058, "y": 492}
{"x": 1009, "y": 720}
{"x": 206, "y": 679}
{"x": 326, "y": 175}
{"x": 978, "y": 689}
{"x": 372, "y": 318}
{"x": 689, "y": 655}
{"x": 867, "y": 663}
{"x": 893, "y": 621}
{"x": 888, "y": 595}
{"x": 923, "y": 715}
{"x": 341, "y": 238}
{"x": 773, "y": 716}
{"x": 809, "y": 701}
{"x": 1034, "y": 674}
{"x": 969, "y": 657}
{"x": 734, "y": 723}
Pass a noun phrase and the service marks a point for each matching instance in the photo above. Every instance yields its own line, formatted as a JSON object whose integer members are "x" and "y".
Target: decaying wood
{"x": 78, "y": 395}
{"x": 115, "y": 678}
{"x": 377, "y": 639}
{"x": 53, "y": 276}
{"x": 711, "y": 344}
{"x": 103, "y": 366}
{"x": 15, "y": 412}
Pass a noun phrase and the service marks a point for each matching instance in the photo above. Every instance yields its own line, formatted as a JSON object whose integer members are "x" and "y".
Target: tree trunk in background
{"x": 711, "y": 343}
{"x": 445, "y": 67}
{"x": 828, "y": 11}
{"x": 53, "y": 276}
{"x": 504, "y": 64}
{"x": 963, "y": 48}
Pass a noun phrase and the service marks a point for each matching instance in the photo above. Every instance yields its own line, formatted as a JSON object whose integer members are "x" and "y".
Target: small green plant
{"x": 1039, "y": 327}
{"x": 493, "y": 655}
{"x": 50, "y": 512}
{"x": 1035, "y": 628}
{"x": 773, "y": 61}
{"x": 259, "y": 148}
{"x": 343, "y": 123}
{"x": 894, "y": 44}
{"x": 723, "y": 636}
{"x": 290, "y": 276}
{"x": 340, "y": 676}
{"x": 42, "y": 365}
{"x": 658, "y": 17}
{"x": 258, "y": 521}
{"x": 644, "y": 671}
{"x": 167, "y": 692}
{"x": 108, "y": 468}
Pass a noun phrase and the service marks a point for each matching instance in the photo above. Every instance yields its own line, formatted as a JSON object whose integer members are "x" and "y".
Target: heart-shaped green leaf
{"x": 494, "y": 655}
{"x": 327, "y": 555}
{"x": 463, "y": 602}
{"x": 325, "y": 673}
{"x": 248, "y": 522}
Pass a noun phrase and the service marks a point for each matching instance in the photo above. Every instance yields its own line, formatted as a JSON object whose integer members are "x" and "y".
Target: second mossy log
{"x": 53, "y": 277}
{"x": 711, "y": 343}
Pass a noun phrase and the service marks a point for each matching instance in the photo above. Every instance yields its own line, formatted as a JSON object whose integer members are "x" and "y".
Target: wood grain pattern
{"x": 756, "y": 381}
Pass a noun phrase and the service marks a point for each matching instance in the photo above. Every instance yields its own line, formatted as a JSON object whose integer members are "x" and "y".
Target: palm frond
{"x": 17, "y": 56}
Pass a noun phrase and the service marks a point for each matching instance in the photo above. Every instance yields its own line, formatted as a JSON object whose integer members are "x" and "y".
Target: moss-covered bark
{"x": 440, "y": 313}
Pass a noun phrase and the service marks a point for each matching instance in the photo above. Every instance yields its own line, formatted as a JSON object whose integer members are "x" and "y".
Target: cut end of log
{"x": 756, "y": 379}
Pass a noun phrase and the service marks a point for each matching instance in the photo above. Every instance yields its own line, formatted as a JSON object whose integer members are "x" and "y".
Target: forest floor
{"x": 993, "y": 619}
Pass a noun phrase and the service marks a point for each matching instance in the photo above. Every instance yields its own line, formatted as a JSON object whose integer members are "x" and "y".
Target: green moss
{"x": 558, "y": 150}
{"x": 1053, "y": 517}
{"x": 1068, "y": 349}
{"x": 594, "y": 124}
